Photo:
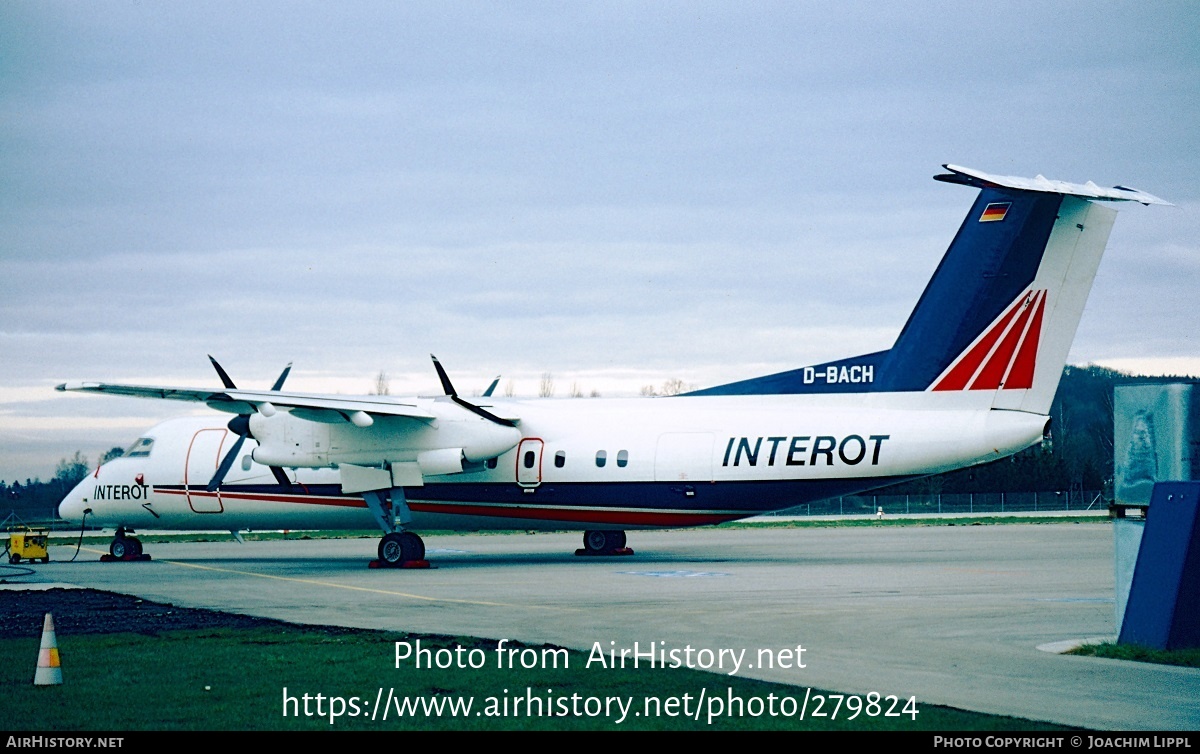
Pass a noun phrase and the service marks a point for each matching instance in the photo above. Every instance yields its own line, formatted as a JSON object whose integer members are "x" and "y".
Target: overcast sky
{"x": 616, "y": 193}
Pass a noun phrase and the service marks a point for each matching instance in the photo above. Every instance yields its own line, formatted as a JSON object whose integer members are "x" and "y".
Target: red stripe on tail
{"x": 961, "y": 374}
{"x": 1020, "y": 376}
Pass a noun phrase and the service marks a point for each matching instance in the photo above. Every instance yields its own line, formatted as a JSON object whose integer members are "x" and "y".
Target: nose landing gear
{"x": 124, "y": 548}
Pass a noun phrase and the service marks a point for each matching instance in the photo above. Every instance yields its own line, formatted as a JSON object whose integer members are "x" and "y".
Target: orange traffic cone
{"x": 48, "y": 672}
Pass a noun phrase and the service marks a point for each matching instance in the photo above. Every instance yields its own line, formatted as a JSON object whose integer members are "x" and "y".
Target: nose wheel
{"x": 124, "y": 548}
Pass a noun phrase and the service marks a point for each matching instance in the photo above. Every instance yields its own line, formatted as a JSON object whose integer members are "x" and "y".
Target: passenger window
{"x": 141, "y": 448}
{"x": 530, "y": 457}
{"x": 560, "y": 459}
{"x": 246, "y": 462}
{"x": 622, "y": 458}
{"x": 601, "y": 458}
{"x": 490, "y": 463}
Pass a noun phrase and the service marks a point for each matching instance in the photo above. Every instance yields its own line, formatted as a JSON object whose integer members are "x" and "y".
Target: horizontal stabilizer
{"x": 1089, "y": 190}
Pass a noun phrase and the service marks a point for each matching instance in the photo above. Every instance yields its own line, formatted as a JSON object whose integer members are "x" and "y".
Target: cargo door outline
{"x": 529, "y": 467}
{"x": 203, "y": 457}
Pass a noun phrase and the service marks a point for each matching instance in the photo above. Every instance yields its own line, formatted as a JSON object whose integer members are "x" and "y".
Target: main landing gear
{"x": 399, "y": 548}
{"x": 604, "y": 542}
{"x": 124, "y": 548}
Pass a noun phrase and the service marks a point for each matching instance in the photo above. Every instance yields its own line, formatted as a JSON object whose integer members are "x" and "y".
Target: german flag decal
{"x": 994, "y": 213}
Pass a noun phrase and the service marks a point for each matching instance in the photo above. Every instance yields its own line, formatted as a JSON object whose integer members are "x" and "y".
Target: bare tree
{"x": 383, "y": 386}
{"x": 71, "y": 471}
{"x": 594, "y": 394}
{"x": 575, "y": 391}
{"x": 546, "y": 385}
{"x": 510, "y": 389}
{"x": 648, "y": 391}
{"x": 674, "y": 386}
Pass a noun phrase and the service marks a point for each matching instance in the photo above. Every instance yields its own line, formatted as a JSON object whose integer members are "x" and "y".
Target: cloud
{"x": 589, "y": 189}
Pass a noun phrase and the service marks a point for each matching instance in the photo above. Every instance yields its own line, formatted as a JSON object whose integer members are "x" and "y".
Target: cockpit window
{"x": 141, "y": 448}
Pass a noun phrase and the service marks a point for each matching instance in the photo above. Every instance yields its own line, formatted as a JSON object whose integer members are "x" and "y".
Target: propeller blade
{"x": 240, "y": 426}
{"x": 221, "y": 373}
{"x": 226, "y": 464}
{"x": 449, "y": 388}
{"x": 279, "y": 382}
{"x": 488, "y": 393}
{"x": 482, "y": 412}
{"x": 446, "y": 386}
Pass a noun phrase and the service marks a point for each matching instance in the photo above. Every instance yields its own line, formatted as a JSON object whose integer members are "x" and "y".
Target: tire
{"x": 412, "y": 546}
{"x": 14, "y": 558}
{"x": 119, "y": 548}
{"x": 135, "y": 548}
{"x": 391, "y": 549}
{"x": 597, "y": 541}
{"x": 617, "y": 540}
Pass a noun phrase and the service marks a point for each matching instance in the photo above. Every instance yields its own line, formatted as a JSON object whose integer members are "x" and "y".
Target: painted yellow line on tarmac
{"x": 333, "y": 585}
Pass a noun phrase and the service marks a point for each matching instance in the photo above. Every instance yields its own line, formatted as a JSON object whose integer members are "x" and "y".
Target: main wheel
{"x": 414, "y": 546}
{"x": 119, "y": 548}
{"x": 400, "y": 547}
{"x": 597, "y": 541}
{"x": 617, "y": 541}
{"x": 135, "y": 547}
{"x": 391, "y": 548}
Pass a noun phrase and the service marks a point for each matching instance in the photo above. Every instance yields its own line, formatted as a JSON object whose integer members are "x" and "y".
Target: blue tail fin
{"x": 1001, "y": 309}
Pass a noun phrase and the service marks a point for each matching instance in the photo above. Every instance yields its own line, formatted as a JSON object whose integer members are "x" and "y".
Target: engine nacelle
{"x": 286, "y": 440}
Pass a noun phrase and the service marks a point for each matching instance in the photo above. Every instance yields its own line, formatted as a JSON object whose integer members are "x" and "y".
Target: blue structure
{"x": 1163, "y": 610}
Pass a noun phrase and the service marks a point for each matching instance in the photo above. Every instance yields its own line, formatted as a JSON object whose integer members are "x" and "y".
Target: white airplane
{"x": 969, "y": 379}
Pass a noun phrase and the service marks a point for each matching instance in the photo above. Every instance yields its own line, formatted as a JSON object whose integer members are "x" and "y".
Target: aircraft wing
{"x": 250, "y": 401}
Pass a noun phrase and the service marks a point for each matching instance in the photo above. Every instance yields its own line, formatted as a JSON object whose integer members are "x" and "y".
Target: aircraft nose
{"x": 72, "y": 506}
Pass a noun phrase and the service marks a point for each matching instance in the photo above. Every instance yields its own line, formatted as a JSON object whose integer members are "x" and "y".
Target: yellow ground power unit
{"x": 28, "y": 544}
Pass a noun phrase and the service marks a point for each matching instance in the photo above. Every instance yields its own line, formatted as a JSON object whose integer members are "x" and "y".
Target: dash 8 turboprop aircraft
{"x": 969, "y": 379}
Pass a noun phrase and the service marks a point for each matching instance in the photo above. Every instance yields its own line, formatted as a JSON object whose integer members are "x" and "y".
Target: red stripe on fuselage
{"x": 584, "y": 515}
{"x": 344, "y": 502}
{"x": 574, "y": 515}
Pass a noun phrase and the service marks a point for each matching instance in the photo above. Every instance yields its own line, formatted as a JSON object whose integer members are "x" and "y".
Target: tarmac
{"x": 973, "y": 617}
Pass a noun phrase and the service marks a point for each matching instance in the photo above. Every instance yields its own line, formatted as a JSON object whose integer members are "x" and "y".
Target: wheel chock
{"x": 127, "y": 559}
{"x": 406, "y": 564}
{"x": 606, "y": 553}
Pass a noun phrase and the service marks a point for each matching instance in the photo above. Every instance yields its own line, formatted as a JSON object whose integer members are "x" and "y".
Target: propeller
{"x": 240, "y": 426}
{"x": 490, "y": 388}
{"x": 450, "y": 391}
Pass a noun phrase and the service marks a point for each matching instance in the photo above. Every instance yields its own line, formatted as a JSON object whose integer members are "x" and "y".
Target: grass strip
{"x": 1189, "y": 658}
{"x": 234, "y": 679}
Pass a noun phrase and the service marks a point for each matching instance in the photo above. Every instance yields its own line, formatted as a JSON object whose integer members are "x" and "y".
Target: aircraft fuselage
{"x": 578, "y": 464}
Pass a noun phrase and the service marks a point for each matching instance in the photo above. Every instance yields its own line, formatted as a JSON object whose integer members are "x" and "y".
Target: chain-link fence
{"x": 965, "y": 502}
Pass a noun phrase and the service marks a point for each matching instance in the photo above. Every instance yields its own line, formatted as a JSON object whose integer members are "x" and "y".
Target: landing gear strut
{"x": 604, "y": 542}
{"x": 124, "y": 548}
